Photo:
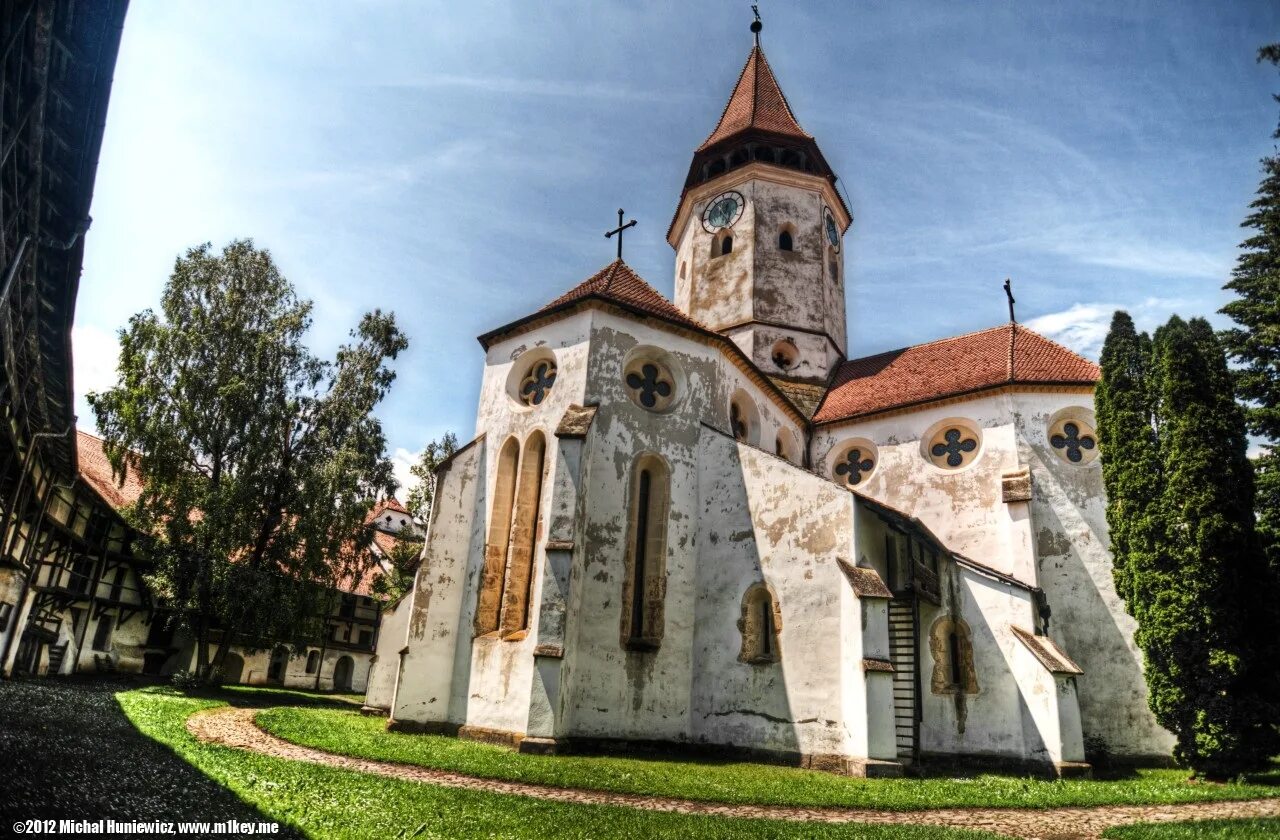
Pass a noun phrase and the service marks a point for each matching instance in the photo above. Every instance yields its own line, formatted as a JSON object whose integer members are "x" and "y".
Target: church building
{"x": 696, "y": 524}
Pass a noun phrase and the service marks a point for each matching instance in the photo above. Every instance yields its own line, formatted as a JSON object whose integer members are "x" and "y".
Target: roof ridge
{"x": 1013, "y": 337}
{"x": 929, "y": 343}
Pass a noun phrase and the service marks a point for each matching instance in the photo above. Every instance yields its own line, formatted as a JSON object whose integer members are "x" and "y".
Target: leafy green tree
{"x": 260, "y": 460}
{"x": 1190, "y": 561}
{"x": 422, "y": 497}
{"x": 1254, "y": 344}
{"x": 1131, "y": 466}
{"x": 401, "y": 563}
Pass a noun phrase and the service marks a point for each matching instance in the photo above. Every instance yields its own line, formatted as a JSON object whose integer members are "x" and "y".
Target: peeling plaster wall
{"x": 1072, "y": 550}
{"x": 762, "y": 519}
{"x": 434, "y": 670}
{"x": 1056, "y": 541}
{"x": 799, "y": 294}
{"x": 617, "y": 693}
{"x": 962, "y": 507}
{"x": 986, "y": 723}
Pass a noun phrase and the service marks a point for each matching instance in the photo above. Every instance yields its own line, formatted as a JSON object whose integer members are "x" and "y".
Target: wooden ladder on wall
{"x": 904, "y": 646}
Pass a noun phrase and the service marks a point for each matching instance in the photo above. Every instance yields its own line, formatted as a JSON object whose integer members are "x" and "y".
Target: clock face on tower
{"x": 833, "y": 232}
{"x": 723, "y": 210}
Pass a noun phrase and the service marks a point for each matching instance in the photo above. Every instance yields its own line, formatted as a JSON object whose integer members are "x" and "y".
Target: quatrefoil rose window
{"x": 650, "y": 381}
{"x": 1073, "y": 439}
{"x": 855, "y": 462}
{"x": 953, "y": 445}
{"x": 537, "y": 383}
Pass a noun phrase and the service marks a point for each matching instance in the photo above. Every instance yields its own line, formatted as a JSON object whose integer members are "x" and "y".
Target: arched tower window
{"x": 644, "y": 585}
{"x": 784, "y": 241}
{"x": 489, "y": 602}
{"x": 524, "y": 535}
{"x": 760, "y": 624}
{"x": 722, "y": 244}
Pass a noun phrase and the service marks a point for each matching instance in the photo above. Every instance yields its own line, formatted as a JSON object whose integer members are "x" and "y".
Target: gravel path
{"x": 235, "y": 727}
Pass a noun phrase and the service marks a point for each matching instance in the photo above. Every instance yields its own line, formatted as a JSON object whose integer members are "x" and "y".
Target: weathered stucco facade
{"x": 698, "y": 524}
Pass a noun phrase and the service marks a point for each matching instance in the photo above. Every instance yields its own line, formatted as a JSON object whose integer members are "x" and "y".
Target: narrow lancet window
{"x": 644, "y": 587}
{"x": 524, "y": 536}
{"x": 498, "y": 544}
{"x": 784, "y": 241}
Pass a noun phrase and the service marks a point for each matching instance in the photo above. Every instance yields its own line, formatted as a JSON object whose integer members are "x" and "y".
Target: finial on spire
{"x": 1008, "y": 292}
{"x": 756, "y": 25}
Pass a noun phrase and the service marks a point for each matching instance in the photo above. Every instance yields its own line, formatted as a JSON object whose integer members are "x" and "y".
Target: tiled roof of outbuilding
{"x": 951, "y": 367}
{"x": 757, "y": 102}
{"x": 96, "y": 471}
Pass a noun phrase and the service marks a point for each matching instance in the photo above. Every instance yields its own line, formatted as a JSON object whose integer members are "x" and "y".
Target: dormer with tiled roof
{"x": 759, "y": 235}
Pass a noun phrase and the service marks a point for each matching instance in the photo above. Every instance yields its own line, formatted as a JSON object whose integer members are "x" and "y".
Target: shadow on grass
{"x": 67, "y": 751}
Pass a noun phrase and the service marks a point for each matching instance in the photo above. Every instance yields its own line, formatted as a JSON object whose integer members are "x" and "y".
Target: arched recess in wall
{"x": 721, "y": 244}
{"x": 644, "y": 582}
{"x": 496, "y": 547}
{"x": 787, "y": 446}
{"x": 524, "y": 535}
{"x": 951, "y": 647}
{"x": 760, "y": 624}
{"x": 744, "y": 418}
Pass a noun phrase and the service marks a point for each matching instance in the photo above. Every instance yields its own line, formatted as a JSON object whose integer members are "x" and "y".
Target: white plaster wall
{"x": 991, "y": 718}
{"x": 1069, "y": 530}
{"x": 757, "y": 280}
{"x": 385, "y": 666}
{"x": 434, "y": 672}
{"x": 962, "y": 507}
{"x": 763, "y": 519}
{"x": 1058, "y": 541}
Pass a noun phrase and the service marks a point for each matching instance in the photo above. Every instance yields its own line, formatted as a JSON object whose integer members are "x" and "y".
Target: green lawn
{"x": 1261, "y": 829}
{"x": 327, "y": 802}
{"x": 349, "y": 733}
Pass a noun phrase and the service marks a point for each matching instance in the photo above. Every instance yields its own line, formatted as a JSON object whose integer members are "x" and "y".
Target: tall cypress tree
{"x": 1131, "y": 465}
{"x": 1206, "y": 631}
{"x": 1254, "y": 344}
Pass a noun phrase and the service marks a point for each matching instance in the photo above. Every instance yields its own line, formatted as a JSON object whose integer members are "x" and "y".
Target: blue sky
{"x": 458, "y": 163}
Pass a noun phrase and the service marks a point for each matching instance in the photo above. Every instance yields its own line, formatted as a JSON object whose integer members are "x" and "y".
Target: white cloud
{"x": 1083, "y": 327}
{"x": 94, "y": 355}
{"x": 401, "y": 461}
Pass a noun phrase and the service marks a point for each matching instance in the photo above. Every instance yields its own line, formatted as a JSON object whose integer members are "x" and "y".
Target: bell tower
{"x": 759, "y": 234}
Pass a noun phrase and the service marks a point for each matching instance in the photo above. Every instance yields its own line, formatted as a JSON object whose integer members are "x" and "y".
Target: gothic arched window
{"x": 760, "y": 624}
{"x": 644, "y": 584}
{"x": 492, "y": 574}
{"x": 518, "y": 585}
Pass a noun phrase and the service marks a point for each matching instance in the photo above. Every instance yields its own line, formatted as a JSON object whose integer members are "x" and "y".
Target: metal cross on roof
{"x": 619, "y": 229}
{"x": 1008, "y": 292}
{"x": 756, "y": 25}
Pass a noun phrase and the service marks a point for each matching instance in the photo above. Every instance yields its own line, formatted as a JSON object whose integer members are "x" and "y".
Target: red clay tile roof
{"x": 618, "y": 283}
{"x": 95, "y": 469}
{"x": 757, "y": 103}
{"x": 949, "y": 367}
